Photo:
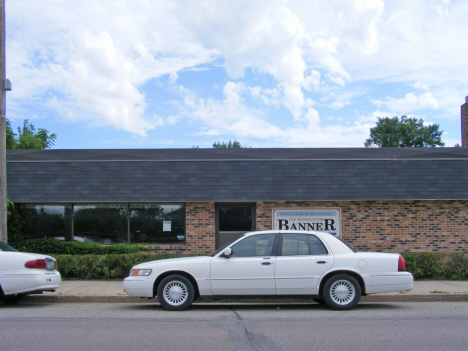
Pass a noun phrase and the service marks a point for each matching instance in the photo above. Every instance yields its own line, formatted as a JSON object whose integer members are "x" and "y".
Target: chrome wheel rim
{"x": 175, "y": 293}
{"x": 342, "y": 292}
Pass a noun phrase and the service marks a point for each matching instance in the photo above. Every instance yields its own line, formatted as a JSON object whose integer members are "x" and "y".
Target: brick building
{"x": 195, "y": 200}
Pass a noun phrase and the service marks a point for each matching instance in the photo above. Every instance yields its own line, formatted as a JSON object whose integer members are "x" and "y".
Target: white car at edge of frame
{"x": 272, "y": 264}
{"x": 25, "y": 273}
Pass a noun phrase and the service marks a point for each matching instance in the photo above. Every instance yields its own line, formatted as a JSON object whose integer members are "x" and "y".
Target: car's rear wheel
{"x": 341, "y": 292}
{"x": 175, "y": 293}
{"x": 12, "y": 299}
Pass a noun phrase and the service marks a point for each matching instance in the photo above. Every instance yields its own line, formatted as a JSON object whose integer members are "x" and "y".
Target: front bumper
{"x": 139, "y": 286}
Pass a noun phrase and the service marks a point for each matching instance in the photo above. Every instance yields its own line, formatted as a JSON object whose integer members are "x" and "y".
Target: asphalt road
{"x": 103, "y": 326}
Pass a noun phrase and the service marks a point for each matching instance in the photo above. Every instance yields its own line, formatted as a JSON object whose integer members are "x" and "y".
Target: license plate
{"x": 50, "y": 265}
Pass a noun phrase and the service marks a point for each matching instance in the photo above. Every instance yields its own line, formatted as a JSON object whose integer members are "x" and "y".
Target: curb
{"x": 279, "y": 301}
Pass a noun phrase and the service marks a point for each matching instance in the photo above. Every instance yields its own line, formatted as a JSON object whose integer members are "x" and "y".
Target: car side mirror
{"x": 227, "y": 252}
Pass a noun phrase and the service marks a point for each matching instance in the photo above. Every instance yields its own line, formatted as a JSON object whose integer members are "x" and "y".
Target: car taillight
{"x": 49, "y": 264}
{"x": 401, "y": 264}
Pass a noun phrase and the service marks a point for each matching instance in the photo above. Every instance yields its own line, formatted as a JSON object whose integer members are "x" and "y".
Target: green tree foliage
{"x": 28, "y": 137}
{"x": 404, "y": 132}
{"x": 231, "y": 145}
{"x": 10, "y": 136}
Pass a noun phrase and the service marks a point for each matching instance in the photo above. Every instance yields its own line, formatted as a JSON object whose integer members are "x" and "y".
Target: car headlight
{"x": 141, "y": 272}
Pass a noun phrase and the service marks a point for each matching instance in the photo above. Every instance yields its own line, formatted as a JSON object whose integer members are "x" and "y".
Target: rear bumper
{"x": 401, "y": 281}
{"x": 33, "y": 281}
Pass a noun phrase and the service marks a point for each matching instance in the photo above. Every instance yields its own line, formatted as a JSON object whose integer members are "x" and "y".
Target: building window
{"x": 145, "y": 223}
{"x": 43, "y": 220}
{"x": 157, "y": 223}
{"x": 101, "y": 223}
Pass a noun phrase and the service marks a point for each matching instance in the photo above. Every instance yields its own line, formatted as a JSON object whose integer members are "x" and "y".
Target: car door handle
{"x": 266, "y": 263}
{"x": 321, "y": 262}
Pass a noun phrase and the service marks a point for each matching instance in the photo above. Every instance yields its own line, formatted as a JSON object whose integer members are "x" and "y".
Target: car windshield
{"x": 5, "y": 247}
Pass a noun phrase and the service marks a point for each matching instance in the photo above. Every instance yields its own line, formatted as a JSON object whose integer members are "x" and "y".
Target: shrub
{"x": 458, "y": 266}
{"x": 94, "y": 267}
{"x": 51, "y": 246}
{"x": 425, "y": 265}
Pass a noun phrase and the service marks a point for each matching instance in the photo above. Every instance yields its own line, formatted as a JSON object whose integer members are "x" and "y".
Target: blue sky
{"x": 276, "y": 73}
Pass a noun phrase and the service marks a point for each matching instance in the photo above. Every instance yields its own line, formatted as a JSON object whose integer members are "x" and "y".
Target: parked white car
{"x": 25, "y": 273}
{"x": 272, "y": 263}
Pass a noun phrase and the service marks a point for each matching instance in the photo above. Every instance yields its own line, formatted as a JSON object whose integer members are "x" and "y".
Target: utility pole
{"x": 3, "y": 189}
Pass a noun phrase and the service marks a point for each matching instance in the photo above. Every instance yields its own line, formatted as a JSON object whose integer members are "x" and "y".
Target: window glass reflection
{"x": 157, "y": 223}
{"x": 43, "y": 220}
{"x": 101, "y": 223}
{"x": 235, "y": 218}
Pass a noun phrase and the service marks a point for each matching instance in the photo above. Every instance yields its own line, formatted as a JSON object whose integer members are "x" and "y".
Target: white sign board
{"x": 319, "y": 219}
{"x": 167, "y": 226}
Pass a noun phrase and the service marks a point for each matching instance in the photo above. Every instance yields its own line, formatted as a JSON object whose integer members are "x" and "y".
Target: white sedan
{"x": 25, "y": 273}
{"x": 272, "y": 263}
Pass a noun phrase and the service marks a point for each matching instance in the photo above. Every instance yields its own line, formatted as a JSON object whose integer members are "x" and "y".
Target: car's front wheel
{"x": 12, "y": 299}
{"x": 341, "y": 292}
{"x": 175, "y": 293}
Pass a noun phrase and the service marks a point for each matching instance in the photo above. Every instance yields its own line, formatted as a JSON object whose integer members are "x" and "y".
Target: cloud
{"x": 90, "y": 65}
{"x": 311, "y": 60}
{"x": 232, "y": 116}
{"x": 410, "y": 102}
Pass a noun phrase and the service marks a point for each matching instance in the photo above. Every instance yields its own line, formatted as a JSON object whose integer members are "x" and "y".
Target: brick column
{"x": 464, "y": 123}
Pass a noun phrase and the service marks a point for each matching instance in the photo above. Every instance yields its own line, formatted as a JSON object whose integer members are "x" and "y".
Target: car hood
{"x": 174, "y": 262}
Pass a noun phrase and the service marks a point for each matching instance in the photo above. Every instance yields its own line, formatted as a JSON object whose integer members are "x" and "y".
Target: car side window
{"x": 316, "y": 246}
{"x": 257, "y": 245}
{"x": 302, "y": 244}
{"x": 294, "y": 244}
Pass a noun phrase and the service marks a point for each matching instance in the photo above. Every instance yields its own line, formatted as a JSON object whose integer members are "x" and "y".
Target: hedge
{"x": 102, "y": 267}
{"x": 435, "y": 265}
{"x": 79, "y": 260}
{"x": 51, "y": 246}
{"x": 91, "y": 267}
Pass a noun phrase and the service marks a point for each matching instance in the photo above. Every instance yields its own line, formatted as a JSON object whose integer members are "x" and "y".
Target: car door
{"x": 250, "y": 270}
{"x": 301, "y": 260}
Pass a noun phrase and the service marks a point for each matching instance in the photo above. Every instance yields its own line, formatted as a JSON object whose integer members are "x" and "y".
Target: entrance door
{"x": 233, "y": 220}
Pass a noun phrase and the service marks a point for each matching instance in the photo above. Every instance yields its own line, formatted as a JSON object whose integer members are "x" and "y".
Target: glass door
{"x": 233, "y": 220}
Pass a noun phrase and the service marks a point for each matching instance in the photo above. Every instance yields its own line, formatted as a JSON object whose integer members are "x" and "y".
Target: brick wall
{"x": 390, "y": 226}
{"x": 464, "y": 123}
{"x": 200, "y": 227}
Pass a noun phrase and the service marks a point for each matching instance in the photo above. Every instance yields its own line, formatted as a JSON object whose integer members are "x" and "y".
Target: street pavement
{"x": 112, "y": 291}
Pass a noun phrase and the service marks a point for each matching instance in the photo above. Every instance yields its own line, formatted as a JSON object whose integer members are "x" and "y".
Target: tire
{"x": 12, "y": 299}
{"x": 341, "y": 292}
{"x": 175, "y": 293}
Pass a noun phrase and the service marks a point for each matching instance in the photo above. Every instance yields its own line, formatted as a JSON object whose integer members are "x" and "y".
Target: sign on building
{"x": 320, "y": 219}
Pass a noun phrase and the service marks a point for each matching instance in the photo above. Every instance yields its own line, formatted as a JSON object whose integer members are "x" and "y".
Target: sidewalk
{"x": 112, "y": 291}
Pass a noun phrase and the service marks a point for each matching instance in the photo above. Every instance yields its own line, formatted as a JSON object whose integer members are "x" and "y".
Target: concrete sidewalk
{"x": 112, "y": 291}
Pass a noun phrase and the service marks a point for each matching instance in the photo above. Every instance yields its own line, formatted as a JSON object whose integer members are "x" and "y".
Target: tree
{"x": 406, "y": 132}
{"x": 231, "y": 145}
{"x": 28, "y": 137}
{"x": 10, "y": 136}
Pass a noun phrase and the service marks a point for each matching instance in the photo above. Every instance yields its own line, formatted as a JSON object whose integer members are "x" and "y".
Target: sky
{"x": 125, "y": 74}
